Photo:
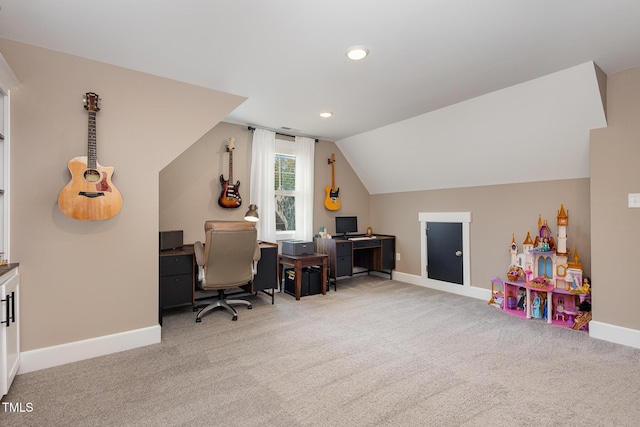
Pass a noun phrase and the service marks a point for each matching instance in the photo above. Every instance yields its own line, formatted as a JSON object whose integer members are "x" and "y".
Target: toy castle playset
{"x": 541, "y": 281}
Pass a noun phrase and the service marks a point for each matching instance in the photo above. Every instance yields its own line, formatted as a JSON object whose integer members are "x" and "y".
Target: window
{"x": 285, "y": 189}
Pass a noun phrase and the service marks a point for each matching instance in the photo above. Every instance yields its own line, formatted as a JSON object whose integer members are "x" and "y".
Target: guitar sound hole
{"x": 92, "y": 175}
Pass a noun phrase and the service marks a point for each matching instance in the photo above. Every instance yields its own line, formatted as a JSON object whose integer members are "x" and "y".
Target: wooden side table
{"x": 298, "y": 262}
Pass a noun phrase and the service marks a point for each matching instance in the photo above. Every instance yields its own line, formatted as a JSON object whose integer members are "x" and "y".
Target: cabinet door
{"x": 345, "y": 267}
{"x": 176, "y": 290}
{"x": 388, "y": 254}
{"x": 344, "y": 260}
{"x": 9, "y": 333}
{"x": 266, "y": 275}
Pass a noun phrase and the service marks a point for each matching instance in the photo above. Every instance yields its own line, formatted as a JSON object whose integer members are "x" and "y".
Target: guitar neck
{"x": 92, "y": 150}
{"x": 231, "y": 166}
{"x": 333, "y": 181}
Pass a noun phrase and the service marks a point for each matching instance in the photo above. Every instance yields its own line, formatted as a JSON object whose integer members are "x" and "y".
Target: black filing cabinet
{"x": 344, "y": 263}
{"x": 176, "y": 277}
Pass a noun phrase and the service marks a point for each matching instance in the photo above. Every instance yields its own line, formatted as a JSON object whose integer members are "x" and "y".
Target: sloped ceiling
{"x": 534, "y": 131}
{"x": 427, "y": 57}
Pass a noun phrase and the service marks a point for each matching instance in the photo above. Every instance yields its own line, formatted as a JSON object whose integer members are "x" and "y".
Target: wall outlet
{"x": 397, "y": 256}
{"x": 634, "y": 200}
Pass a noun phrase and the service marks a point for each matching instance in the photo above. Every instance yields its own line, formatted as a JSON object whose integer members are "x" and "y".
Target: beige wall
{"x": 615, "y": 152}
{"x": 497, "y": 212}
{"x": 89, "y": 279}
{"x": 84, "y": 279}
{"x": 190, "y": 185}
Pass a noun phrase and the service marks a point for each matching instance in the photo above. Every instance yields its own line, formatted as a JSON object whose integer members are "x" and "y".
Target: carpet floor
{"x": 375, "y": 353}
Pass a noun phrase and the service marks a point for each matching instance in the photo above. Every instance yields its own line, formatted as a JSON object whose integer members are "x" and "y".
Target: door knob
{"x": 458, "y": 253}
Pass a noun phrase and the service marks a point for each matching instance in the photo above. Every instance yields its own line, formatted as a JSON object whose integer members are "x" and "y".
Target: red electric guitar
{"x": 230, "y": 197}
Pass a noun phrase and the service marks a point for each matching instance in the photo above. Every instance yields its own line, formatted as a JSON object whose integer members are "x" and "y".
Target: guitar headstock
{"x": 91, "y": 102}
{"x": 231, "y": 144}
{"x": 331, "y": 160}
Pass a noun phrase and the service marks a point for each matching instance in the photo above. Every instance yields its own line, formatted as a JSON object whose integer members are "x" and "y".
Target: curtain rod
{"x": 251, "y": 128}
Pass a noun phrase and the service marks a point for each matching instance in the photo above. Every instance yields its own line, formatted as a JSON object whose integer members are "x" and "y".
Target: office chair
{"x": 226, "y": 261}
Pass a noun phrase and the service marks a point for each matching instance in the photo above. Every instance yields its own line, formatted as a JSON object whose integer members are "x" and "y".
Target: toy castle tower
{"x": 544, "y": 256}
{"x": 563, "y": 222}
{"x": 527, "y": 247}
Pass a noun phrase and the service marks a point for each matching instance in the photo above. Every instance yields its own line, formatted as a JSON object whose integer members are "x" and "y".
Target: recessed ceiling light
{"x": 357, "y": 53}
{"x": 326, "y": 114}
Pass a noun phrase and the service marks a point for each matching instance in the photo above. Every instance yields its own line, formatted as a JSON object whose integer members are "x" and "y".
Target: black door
{"x": 444, "y": 251}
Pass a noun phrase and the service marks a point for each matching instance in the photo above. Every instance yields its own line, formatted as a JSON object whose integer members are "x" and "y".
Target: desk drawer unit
{"x": 343, "y": 259}
{"x": 176, "y": 280}
{"x": 365, "y": 243}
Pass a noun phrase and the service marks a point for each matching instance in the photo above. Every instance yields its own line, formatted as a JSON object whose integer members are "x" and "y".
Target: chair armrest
{"x": 198, "y": 248}
{"x": 257, "y": 254}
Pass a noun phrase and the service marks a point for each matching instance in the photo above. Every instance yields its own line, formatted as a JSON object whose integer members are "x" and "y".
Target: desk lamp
{"x": 252, "y": 214}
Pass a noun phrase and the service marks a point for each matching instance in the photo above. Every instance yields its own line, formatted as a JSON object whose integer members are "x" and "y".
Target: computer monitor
{"x": 346, "y": 224}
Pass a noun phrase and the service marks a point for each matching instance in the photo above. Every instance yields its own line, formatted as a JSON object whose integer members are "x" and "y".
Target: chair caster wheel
{"x": 198, "y": 320}
{"x": 234, "y": 318}
{"x": 249, "y": 307}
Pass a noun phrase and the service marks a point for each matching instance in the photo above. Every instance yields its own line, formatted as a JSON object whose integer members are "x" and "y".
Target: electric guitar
{"x": 230, "y": 197}
{"x": 90, "y": 195}
{"x": 332, "y": 201}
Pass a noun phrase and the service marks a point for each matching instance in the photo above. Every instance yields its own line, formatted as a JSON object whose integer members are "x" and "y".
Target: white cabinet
{"x": 9, "y": 326}
{"x": 8, "y": 81}
{"x": 9, "y": 276}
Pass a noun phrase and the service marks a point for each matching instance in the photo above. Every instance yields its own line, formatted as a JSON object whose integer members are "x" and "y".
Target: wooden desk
{"x": 376, "y": 254}
{"x": 178, "y": 273}
{"x": 298, "y": 262}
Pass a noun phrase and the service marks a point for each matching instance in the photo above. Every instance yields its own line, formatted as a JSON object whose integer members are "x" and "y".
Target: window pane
{"x": 285, "y": 213}
{"x": 285, "y": 172}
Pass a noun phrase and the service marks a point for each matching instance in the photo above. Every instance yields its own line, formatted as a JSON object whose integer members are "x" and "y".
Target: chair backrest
{"x": 230, "y": 249}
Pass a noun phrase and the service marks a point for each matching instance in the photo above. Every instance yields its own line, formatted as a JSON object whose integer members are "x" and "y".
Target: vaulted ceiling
{"x": 288, "y": 56}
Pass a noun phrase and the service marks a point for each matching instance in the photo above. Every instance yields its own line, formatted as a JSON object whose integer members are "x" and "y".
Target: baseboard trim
{"x": 599, "y": 330}
{"x": 48, "y": 357}
{"x": 614, "y": 334}
{"x": 468, "y": 291}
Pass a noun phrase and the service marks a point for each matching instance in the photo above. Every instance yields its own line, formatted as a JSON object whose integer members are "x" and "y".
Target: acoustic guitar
{"x": 230, "y": 197}
{"x": 332, "y": 201}
{"x": 90, "y": 195}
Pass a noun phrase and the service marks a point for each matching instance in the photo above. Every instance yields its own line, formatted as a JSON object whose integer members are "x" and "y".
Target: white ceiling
{"x": 429, "y": 60}
{"x": 287, "y": 56}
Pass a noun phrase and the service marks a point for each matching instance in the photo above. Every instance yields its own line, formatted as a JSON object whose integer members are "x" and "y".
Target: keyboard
{"x": 361, "y": 238}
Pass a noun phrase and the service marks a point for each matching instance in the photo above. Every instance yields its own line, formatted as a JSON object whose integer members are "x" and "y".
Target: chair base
{"x": 226, "y": 304}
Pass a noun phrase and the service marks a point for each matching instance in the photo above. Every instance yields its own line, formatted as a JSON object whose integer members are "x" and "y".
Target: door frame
{"x": 456, "y": 217}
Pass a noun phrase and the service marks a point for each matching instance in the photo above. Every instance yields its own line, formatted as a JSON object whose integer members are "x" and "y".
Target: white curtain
{"x": 262, "y": 194}
{"x": 304, "y": 152}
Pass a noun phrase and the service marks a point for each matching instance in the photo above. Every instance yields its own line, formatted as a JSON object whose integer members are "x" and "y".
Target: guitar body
{"x": 229, "y": 197}
{"x": 90, "y": 195}
{"x": 331, "y": 201}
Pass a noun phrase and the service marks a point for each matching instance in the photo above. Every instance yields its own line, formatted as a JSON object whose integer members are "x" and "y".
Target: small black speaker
{"x": 170, "y": 240}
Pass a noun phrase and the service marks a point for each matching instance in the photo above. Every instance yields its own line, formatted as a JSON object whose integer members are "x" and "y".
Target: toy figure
{"x": 521, "y": 301}
{"x": 535, "y": 312}
{"x": 586, "y": 285}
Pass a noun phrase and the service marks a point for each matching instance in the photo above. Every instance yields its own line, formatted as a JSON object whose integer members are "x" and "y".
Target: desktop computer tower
{"x": 310, "y": 283}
